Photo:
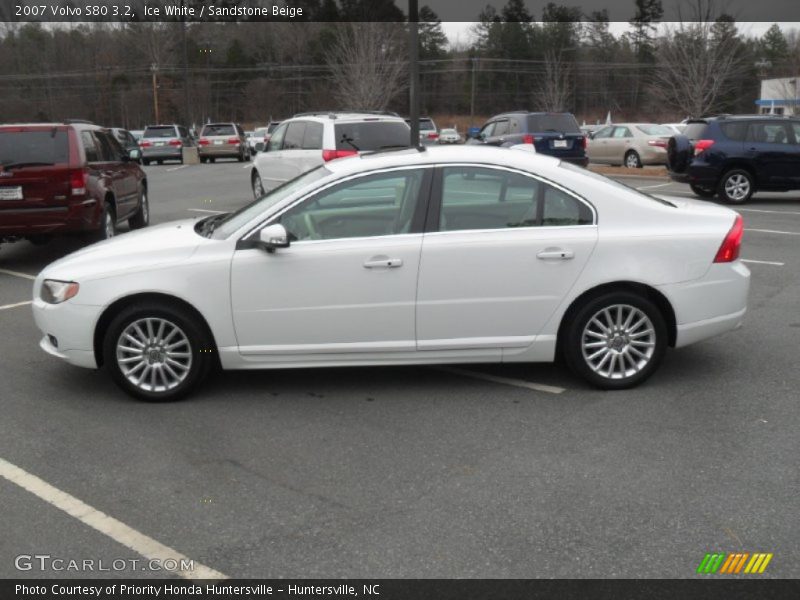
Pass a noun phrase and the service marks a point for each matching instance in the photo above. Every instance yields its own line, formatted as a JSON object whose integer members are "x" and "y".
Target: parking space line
{"x": 105, "y": 524}
{"x": 763, "y": 262}
{"x": 176, "y": 168}
{"x": 17, "y": 274}
{"x": 764, "y": 210}
{"x": 16, "y": 305}
{"x": 203, "y": 210}
{"x": 539, "y": 387}
{"x": 774, "y": 231}
{"x": 652, "y": 187}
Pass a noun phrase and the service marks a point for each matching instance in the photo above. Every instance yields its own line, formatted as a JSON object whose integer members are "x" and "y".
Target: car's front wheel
{"x": 736, "y": 186}
{"x": 632, "y": 160}
{"x": 258, "y": 186}
{"x": 615, "y": 341}
{"x": 157, "y": 352}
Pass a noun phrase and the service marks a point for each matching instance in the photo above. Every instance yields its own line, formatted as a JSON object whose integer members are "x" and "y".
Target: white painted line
{"x": 176, "y": 168}
{"x": 16, "y": 305}
{"x": 18, "y": 274}
{"x": 774, "y": 212}
{"x": 504, "y": 380}
{"x": 203, "y": 210}
{"x": 652, "y": 187}
{"x": 774, "y": 231}
{"x": 763, "y": 262}
{"x": 247, "y": 166}
{"x": 116, "y": 530}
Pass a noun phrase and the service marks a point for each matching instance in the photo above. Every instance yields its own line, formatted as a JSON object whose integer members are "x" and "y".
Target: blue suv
{"x": 732, "y": 157}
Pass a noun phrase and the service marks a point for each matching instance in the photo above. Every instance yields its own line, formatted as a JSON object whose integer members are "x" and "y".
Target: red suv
{"x": 67, "y": 178}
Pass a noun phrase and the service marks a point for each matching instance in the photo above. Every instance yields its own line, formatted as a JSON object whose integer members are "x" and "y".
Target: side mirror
{"x": 273, "y": 236}
{"x": 134, "y": 154}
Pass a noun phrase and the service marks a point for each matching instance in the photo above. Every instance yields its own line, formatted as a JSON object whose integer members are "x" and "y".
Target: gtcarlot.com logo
{"x": 734, "y": 563}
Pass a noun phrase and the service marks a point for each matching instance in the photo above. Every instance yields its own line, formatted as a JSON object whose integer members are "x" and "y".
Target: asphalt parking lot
{"x": 498, "y": 471}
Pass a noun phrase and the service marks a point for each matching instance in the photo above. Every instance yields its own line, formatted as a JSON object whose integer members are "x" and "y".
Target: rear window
{"x": 696, "y": 131}
{"x": 159, "y": 132}
{"x": 219, "y": 129}
{"x": 44, "y": 146}
{"x": 372, "y": 135}
{"x": 562, "y": 123}
{"x": 654, "y": 129}
{"x": 426, "y": 125}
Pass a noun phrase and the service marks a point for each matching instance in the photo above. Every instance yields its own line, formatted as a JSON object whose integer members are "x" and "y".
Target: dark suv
{"x": 555, "y": 134}
{"x": 67, "y": 178}
{"x": 734, "y": 156}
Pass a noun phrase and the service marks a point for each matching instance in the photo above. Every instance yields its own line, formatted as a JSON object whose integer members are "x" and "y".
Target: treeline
{"x": 561, "y": 59}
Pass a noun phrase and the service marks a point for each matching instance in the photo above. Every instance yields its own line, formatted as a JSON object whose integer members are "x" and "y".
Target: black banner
{"x": 400, "y": 589}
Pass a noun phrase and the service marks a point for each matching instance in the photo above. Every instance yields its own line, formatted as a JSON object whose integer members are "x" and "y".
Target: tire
{"x": 39, "y": 240}
{"x": 240, "y": 158}
{"x": 597, "y": 343}
{"x": 679, "y": 153}
{"x": 736, "y": 186}
{"x": 145, "y": 161}
{"x": 211, "y": 159}
{"x": 173, "y": 359}
{"x": 159, "y": 161}
{"x": 203, "y": 159}
{"x": 258, "y": 186}
{"x": 703, "y": 192}
{"x": 632, "y": 160}
{"x": 142, "y": 217}
{"x": 108, "y": 224}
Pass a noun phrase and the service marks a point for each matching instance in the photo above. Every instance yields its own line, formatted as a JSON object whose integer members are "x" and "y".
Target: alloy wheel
{"x": 737, "y": 187}
{"x": 154, "y": 354}
{"x": 618, "y": 341}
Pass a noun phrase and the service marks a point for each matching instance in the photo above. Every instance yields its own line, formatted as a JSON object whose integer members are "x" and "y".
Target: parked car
{"x": 428, "y": 132}
{"x": 222, "y": 140}
{"x": 555, "y": 134}
{"x": 309, "y": 140}
{"x": 65, "y": 178}
{"x": 137, "y": 133}
{"x": 385, "y": 259}
{"x": 127, "y": 140}
{"x": 677, "y": 128}
{"x": 256, "y": 140}
{"x": 630, "y": 144}
{"x": 732, "y": 157}
{"x": 164, "y": 142}
{"x": 449, "y": 136}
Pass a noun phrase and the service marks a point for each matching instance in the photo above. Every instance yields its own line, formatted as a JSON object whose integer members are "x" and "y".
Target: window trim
{"x": 248, "y": 239}
{"x": 437, "y": 189}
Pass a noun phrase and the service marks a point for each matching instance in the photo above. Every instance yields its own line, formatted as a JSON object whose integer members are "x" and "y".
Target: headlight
{"x": 56, "y": 292}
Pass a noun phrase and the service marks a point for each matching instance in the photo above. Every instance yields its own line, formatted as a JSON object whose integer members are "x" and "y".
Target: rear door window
{"x": 44, "y": 146}
{"x": 294, "y": 135}
{"x": 372, "y": 135}
{"x": 768, "y": 132}
{"x": 312, "y": 138}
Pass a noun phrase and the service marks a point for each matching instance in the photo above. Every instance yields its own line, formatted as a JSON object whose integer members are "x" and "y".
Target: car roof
{"x": 345, "y": 117}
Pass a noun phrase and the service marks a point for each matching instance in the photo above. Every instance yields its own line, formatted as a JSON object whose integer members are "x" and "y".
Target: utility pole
{"x": 413, "y": 58}
{"x": 187, "y": 116}
{"x": 154, "y": 69}
{"x": 472, "y": 95}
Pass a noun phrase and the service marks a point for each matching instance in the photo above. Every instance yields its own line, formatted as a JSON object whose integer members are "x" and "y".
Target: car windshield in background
{"x": 426, "y": 125}
{"x": 559, "y": 123}
{"x": 614, "y": 182}
{"x": 695, "y": 131}
{"x": 261, "y": 132}
{"x": 654, "y": 129}
{"x": 159, "y": 132}
{"x": 235, "y": 221}
{"x": 223, "y": 129}
{"x": 372, "y": 135}
{"x": 46, "y": 146}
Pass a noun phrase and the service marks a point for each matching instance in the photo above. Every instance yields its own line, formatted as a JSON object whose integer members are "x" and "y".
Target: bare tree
{"x": 367, "y": 64}
{"x": 555, "y": 90}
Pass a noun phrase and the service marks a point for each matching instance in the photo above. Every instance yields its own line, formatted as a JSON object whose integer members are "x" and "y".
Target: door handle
{"x": 555, "y": 254}
{"x": 383, "y": 262}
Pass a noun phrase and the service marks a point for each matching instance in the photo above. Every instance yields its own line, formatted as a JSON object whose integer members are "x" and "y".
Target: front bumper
{"x": 72, "y": 326}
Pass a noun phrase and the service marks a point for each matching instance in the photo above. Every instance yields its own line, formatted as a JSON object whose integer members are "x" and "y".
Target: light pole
{"x": 154, "y": 69}
{"x": 472, "y": 95}
{"x": 413, "y": 57}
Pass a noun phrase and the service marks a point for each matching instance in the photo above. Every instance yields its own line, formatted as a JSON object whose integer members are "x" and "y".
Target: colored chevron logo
{"x": 733, "y": 563}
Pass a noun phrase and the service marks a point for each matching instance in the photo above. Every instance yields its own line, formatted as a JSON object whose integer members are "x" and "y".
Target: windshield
{"x": 43, "y": 146}
{"x": 235, "y": 221}
{"x": 627, "y": 188}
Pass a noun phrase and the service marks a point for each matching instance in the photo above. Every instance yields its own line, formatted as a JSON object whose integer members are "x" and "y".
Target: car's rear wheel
{"x": 157, "y": 352}
{"x": 615, "y": 341}
{"x": 145, "y": 161}
{"x": 703, "y": 192}
{"x": 632, "y": 160}
{"x": 736, "y": 186}
{"x": 258, "y": 186}
{"x": 159, "y": 161}
{"x": 142, "y": 217}
{"x": 211, "y": 159}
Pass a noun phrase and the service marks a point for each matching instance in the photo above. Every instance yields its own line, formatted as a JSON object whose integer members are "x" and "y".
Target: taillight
{"x": 334, "y": 154}
{"x": 702, "y": 146}
{"x": 658, "y": 143}
{"x": 77, "y": 182}
{"x": 729, "y": 250}
{"x": 144, "y": 144}
{"x": 233, "y": 140}
{"x": 584, "y": 142}
{"x": 175, "y": 143}
{"x": 203, "y": 142}
{"x": 528, "y": 139}
{"x": 433, "y": 135}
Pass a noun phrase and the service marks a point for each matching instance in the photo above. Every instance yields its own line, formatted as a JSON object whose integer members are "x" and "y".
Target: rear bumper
{"x": 162, "y": 152}
{"x": 219, "y": 151}
{"x": 72, "y": 217}
{"x": 700, "y": 175}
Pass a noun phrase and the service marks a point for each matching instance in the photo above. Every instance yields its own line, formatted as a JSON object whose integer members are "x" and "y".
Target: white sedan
{"x": 441, "y": 255}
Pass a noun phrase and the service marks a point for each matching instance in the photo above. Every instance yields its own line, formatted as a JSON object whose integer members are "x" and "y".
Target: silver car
{"x": 222, "y": 140}
{"x": 630, "y": 144}
{"x": 164, "y": 142}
